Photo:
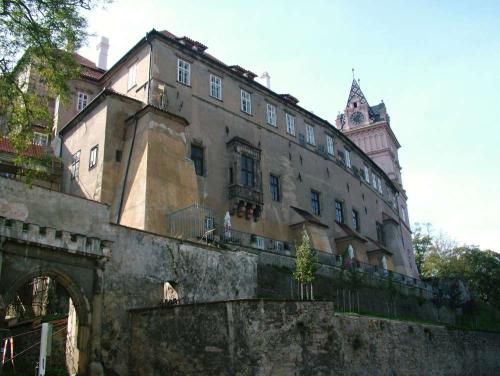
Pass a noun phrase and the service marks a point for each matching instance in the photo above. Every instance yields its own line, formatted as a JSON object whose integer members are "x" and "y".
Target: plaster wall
{"x": 118, "y": 81}
{"x": 214, "y": 123}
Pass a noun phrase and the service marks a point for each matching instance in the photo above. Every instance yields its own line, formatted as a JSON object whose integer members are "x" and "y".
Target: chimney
{"x": 102, "y": 47}
{"x": 267, "y": 77}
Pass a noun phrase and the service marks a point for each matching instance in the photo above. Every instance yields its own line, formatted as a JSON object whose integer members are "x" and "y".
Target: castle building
{"x": 172, "y": 138}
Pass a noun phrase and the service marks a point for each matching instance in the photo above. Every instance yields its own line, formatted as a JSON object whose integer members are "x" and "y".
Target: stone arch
{"x": 80, "y": 302}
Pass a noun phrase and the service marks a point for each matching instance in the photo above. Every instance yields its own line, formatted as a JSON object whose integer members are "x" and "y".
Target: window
{"x": 379, "y": 184}
{"x": 246, "y": 102}
{"x": 271, "y": 114}
{"x": 290, "y": 124}
{"x": 403, "y": 213}
{"x": 82, "y": 101}
{"x": 259, "y": 242}
{"x": 197, "y": 158}
{"x": 183, "y": 72}
{"x": 329, "y": 145}
{"x": 310, "y": 135}
{"x": 208, "y": 223}
{"x": 41, "y": 139}
{"x": 274, "y": 186}
{"x": 374, "y": 181}
{"x": 367, "y": 174}
{"x": 380, "y": 233}
{"x": 355, "y": 219}
{"x": 348, "y": 158}
{"x": 247, "y": 174}
{"x": 93, "y": 157}
{"x": 132, "y": 70}
{"x": 75, "y": 165}
{"x": 339, "y": 212}
{"x": 215, "y": 87}
{"x": 315, "y": 205}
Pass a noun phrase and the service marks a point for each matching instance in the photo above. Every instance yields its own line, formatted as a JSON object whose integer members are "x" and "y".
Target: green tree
{"x": 422, "y": 243}
{"x": 39, "y": 36}
{"x": 305, "y": 271}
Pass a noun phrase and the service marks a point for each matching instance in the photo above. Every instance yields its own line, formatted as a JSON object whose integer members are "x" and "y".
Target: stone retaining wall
{"x": 255, "y": 337}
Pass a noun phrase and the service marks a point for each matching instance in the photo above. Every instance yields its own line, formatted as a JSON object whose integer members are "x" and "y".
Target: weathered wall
{"x": 299, "y": 338}
{"x": 139, "y": 265}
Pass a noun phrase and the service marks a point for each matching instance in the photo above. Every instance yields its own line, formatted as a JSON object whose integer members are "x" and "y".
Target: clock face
{"x": 357, "y": 118}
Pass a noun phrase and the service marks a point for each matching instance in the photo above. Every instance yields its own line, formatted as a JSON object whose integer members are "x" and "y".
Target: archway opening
{"x": 40, "y": 299}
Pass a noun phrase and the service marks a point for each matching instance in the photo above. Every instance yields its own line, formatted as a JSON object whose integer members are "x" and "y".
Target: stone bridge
{"x": 75, "y": 261}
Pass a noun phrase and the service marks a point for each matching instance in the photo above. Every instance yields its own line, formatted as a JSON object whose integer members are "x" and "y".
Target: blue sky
{"x": 436, "y": 65}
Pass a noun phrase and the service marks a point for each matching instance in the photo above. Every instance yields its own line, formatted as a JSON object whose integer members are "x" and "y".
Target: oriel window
{"x": 247, "y": 171}
{"x": 197, "y": 158}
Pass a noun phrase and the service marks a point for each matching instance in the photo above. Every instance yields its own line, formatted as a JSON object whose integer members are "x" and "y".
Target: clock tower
{"x": 369, "y": 127}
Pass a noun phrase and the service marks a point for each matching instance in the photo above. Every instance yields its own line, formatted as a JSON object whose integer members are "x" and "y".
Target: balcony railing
{"x": 201, "y": 223}
{"x": 249, "y": 194}
{"x": 235, "y": 237}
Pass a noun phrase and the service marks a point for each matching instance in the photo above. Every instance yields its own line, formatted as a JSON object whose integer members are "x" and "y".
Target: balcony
{"x": 246, "y": 201}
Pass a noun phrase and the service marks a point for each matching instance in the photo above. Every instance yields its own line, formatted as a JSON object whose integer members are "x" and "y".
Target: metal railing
{"x": 241, "y": 238}
{"x": 195, "y": 222}
{"x": 198, "y": 222}
{"x": 235, "y": 237}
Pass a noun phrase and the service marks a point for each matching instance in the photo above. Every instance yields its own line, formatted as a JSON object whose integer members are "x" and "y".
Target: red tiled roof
{"x": 169, "y": 35}
{"x": 89, "y": 69}
{"x": 33, "y": 151}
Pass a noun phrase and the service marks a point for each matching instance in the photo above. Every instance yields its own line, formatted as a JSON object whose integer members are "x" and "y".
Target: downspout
{"x": 120, "y": 206}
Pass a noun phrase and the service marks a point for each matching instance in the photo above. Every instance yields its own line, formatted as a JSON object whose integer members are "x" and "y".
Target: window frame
{"x": 330, "y": 145}
{"x": 93, "y": 150}
{"x": 246, "y": 101}
{"x": 75, "y": 165}
{"x": 274, "y": 187}
{"x": 367, "y": 174}
{"x": 271, "y": 120}
{"x": 199, "y": 160}
{"x": 310, "y": 136}
{"x": 290, "y": 124}
{"x": 82, "y": 100}
{"x": 41, "y": 139}
{"x": 380, "y": 232}
{"x": 132, "y": 76}
{"x": 315, "y": 202}
{"x": 247, "y": 171}
{"x": 355, "y": 220}
{"x": 347, "y": 155}
{"x": 215, "y": 82}
{"x": 183, "y": 72}
{"x": 339, "y": 211}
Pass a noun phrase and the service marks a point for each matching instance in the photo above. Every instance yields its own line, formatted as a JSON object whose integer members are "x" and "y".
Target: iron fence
{"x": 198, "y": 222}
{"x": 195, "y": 222}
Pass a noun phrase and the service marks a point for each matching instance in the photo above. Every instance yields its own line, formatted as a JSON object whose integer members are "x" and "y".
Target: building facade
{"x": 170, "y": 127}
